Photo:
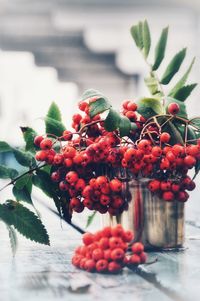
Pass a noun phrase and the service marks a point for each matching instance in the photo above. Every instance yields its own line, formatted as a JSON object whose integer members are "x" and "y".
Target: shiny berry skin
{"x": 117, "y": 231}
{"x": 117, "y": 254}
{"x": 131, "y": 106}
{"x": 38, "y": 140}
{"x": 71, "y": 177}
{"x": 41, "y": 155}
{"x": 165, "y": 185}
{"x": 116, "y": 185}
{"x": 104, "y": 199}
{"x": 137, "y": 248}
{"x": 193, "y": 150}
{"x": 46, "y": 144}
{"x": 102, "y": 265}
{"x": 67, "y": 135}
{"x": 175, "y": 187}
{"x": 88, "y": 238}
{"x": 144, "y": 144}
{"x": 168, "y": 196}
{"x": 80, "y": 185}
{"x": 128, "y": 236}
{"x": 156, "y": 151}
{"x": 182, "y": 196}
{"x": 97, "y": 254}
{"x": 90, "y": 265}
{"x": 115, "y": 242}
{"x": 68, "y": 162}
{"x": 69, "y": 152}
{"x": 173, "y": 108}
{"x": 135, "y": 259}
{"x": 114, "y": 267}
{"x": 165, "y": 137}
{"x": 58, "y": 159}
{"x": 178, "y": 150}
{"x": 104, "y": 243}
{"x": 189, "y": 161}
{"x": 154, "y": 185}
{"x": 55, "y": 176}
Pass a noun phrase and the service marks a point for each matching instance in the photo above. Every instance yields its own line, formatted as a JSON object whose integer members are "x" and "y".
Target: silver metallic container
{"x": 155, "y": 222}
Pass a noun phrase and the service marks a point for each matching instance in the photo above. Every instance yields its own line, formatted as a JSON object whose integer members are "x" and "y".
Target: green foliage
{"x": 183, "y": 93}
{"x": 160, "y": 49}
{"x": 173, "y": 67}
{"x": 22, "y": 194}
{"x": 99, "y": 106}
{"x": 24, "y": 221}
{"x": 91, "y": 93}
{"x": 53, "y": 121}
{"x": 7, "y": 173}
{"x": 90, "y": 219}
{"x": 124, "y": 126}
{"x": 24, "y": 158}
{"x": 43, "y": 181}
{"x": 176, "y": 136}
{"x": 149, "y": 107}
{"x": 54, "y": 112}
{"x": 152, "y": 84}
{"x": 29, "y": 135}
{"x": 182, "y": 112}
{"x": 182, "y": 81}
{"x": 5, "y": 147}
{"x": 13, "y": 239}
{"x": 146, "y": 37}
{"x": 112, "y": 120}
{"x": 142, "y": 37}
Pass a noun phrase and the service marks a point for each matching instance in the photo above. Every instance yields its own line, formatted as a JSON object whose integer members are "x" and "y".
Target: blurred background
{"x": 53, "y": 50}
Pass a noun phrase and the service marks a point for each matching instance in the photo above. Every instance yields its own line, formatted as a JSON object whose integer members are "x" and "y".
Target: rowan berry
{"x": 165, "y": 137}
{"x": 97, "y": 254}
{"x": 173, "y": 108}
{"x": 55, "y": 176}
{"x": 67, "y": 135}
{"x": 38, "y": 140}
{"x": 143, "y": 257}
{"x": 165, "y": 185}
{"x": 71, "y": 177}
{"x": 135, "y": 259}
{"x": 116, "y": 185}
{"x": 90, "y": 265}
{"x": 114, "y": 267}
{"x": 115, "y": 242}
{"x": 41, "y": 155}
{"x": 102, "y": 265}
{"x": 168, "y": 196}
{"x": 137, "y": 248}
{"x": 117, "y": 254}
{"x": 104, "y": 199}
{"x": 154, "y": 185}
{"x": 46, "y": 144}
{"x": 131, "y": 106}
{"x": 104, "y": 243}
{"x": 88, "y": 238}
{"x": 58, "y": 159}
{"x": 189, "y": 161}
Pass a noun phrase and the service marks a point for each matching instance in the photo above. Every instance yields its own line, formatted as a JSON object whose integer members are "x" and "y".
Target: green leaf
{"x": 146, "y": 37}
{"x": 135, "y": 33}
{"x": 54, "y": 127}
{"x": 22, "y": 194}
{"x": 54, "y": 112}
{"x": 7, "y": 173}
{"x": 29, "y": 135}
{"x": 98, "y": 106}
{"x": 183, "y": 93}
{"x": 13, "y": 239}
{"x": 124, "y": 126}
{"x": 91, "y": 93}
{"x": 173, "y": 67}
{"x": 24, "y": 221}
{"x": 5, "y": 147}
{"x": 160, "y": 49}
{"x": 43, "y": 181}
{"x": 149, "y": 107}
{"x": 152, "y": 84}
{"x": 176, "y": 137}
{"x": 23, "y": 157}
{"x": 112, "y": 120}
{"x": 90, "y": 219}
{"x": 195, "y": 121}
{"x": 182, "y": 112}
{"x": 182, "y": 81}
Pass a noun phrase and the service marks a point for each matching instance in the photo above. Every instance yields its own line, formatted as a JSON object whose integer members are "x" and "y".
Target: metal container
{"x": 155, "y": 222}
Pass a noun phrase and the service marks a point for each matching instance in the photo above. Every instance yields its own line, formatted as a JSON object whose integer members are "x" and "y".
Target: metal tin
{"x": 155, "y": 222}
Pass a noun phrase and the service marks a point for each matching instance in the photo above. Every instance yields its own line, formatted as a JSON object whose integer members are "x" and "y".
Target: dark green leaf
{"x": 13, "y": 239}
{"x": 29, "y": 135}
{"x": 43, "y": 181}
{"x": 24, "y": 158}
{"x": 124, "y": 126}
{"x": 54, "y": 127}
{"x": 183, "y": 93}
{"x": 195, "y": 122}
{"x": 182, "y": 112}
{"x": 19, "y": 184}
{"x": 136, "y": 36}
{"x": 176, "y": 137}
{"x": 22, "y": 194}
{"x": 54, "y": 112}
{"x": 173, "y": 67}
{"x": 7, "y": 173}
{"x": 146, "y": 37}
{"x": 149, "y": 107}
{"x": 91, "y": 93}
{"x": 90, "y": 219}
{"x": 112, "y": 120}
{"x": 24, "y": 221}
{"x": 160, "y": 49}
{"x": 5, "y": 147}
{"x": 99, "y": 106}
{"x": 182, "y": 81}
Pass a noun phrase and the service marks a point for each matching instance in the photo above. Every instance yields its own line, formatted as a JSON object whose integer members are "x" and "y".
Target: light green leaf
{"x": 182, "y": 81}
{"x": 149, "y": 107}
{"x": 5, "y": 147}
{"x": 7, "y": 173}
{"x": 90, "y": 219}
{"x": 29, "y": 135}
{"x": 182, "y": 112}
{"x": 183, "y": 93}
{"x": 91, "y": 93}
{"x": 112, "y": 120}
{"x": 146, "y": 37}
{"x": 173, "y": 67}
{"x": 54, "y": 127}
{"x": 98, "y": 106}
{"x": 24, "y": 221}
{"x": 54, "y": 112}
{"x": 160, "y": 49}
{"x": 152, "y": 84}
{"x": 124, "y": 126}
{"x": 136, "y": 36}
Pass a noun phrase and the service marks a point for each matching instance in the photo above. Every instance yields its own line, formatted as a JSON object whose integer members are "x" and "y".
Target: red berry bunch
{"x": 107, "y": 251}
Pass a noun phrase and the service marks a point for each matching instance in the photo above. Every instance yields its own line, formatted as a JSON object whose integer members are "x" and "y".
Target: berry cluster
{"x": 107, "y": 251}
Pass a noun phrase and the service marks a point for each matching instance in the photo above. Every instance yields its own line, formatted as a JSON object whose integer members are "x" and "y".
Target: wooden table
{"x": 45, "y": 273}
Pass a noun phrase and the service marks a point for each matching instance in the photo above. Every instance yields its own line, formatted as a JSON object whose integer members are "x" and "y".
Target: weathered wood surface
{"x": 45, "y": 273}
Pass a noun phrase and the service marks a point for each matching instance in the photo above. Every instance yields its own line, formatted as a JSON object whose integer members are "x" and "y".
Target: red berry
{"x": 114, "y": 267}
{"x": 67, "y": 135}
{"x": 58, "y": 159}
{"x": 104, "y": 243}
{"x": 173, "y": 108}
{"x": 116, "y": 185}
{"x": 55, "y": 176}
{"x": 71, "y": 177}
{"x": 154, "y": 185}
{"x": 69, "y": 152}
{"x": 106, "y": 232}
{"x": 97, "y": 254}
{"x": 38, "y": 140}
{"x": 88, "y": 238}
{"x": 102, "y": 265}
{"x": 165, "y": 185}
{"x": 131, "y": 106}
{"x": 137, "y": 248}
{"x": 168, "y": 196}
{"x": 41, "y": 156}
{"x": 189, "y": 161}
{"x": 182, "y": 196}
{"x": 165, "y": 137}
{"x": 175, "y": 187}
{"x": 115, "y": 242}
{"x": 117, "y": 254}
{"x": 156, "y": 151}
{"x": 143, "y": 257}
{"x": 46, "y": 143}
{"x": 135, "y": 259}
{"x": 90, "y": 265}
{"x": 128, "y": 236}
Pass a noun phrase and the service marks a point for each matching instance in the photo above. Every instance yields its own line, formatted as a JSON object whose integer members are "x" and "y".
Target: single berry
{"x": 173, "y": 108}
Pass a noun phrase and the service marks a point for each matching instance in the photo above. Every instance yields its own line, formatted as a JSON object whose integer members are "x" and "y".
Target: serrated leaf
{"x": 24, "y": 221}
{"x": 124, "y": 126}
{"x": 182, "y": 81}
{"x": 182, "y": 112}
{"x": 146, "y": 37}
{"x": 54, "y": 112}
{"x": 29, "y": 135}
{"x": 152, "y": 84}
{"x": 98, "y": 106}
{"x": 7, "y": 173}
{"x": 54, "y": 127}
{"x": 149, "y": 107}
{"x": 183, "y": 93}
{"x": 91, "y": 93}
{"x": 20, "y": 183}
{"x": 195, "y": 121}
{"x": 136, "y": 35}
{"x": 173, "y": 67}
{"x": 13, "y": 239}
{"x": 5, "y": 147}
{"x": 43, "y": 181}
{"x": 22, "y": 194}
{"x": 23, "y": 157}
{"x": 90, "y": 219}
{"x": 112, "y": 120}
{"x": 160, "y": 49}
